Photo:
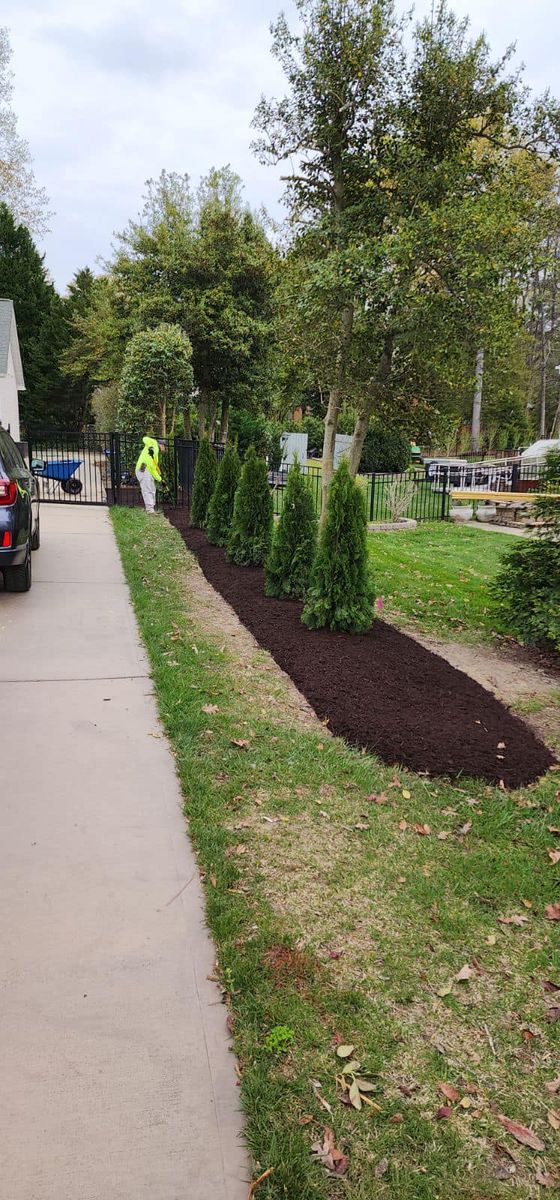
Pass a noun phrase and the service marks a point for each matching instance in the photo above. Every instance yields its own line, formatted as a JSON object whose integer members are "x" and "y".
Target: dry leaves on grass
{"x": 464, "y": 974}
{"x": 449, "y": 1092}
{"x": 516, "y": 919}
{"x": 553, "y": 1117}
{"x": 545, "y": 1179}
{"x": 209, "y": 709}
{"x": 553, "y": 1085}
{"x": 552, "y": 912}
{"x": 241, "y": 743}
{"x": 554, "y": 856}
{"x": 330, "y": 1157}
{"x": 521, "y": 1133}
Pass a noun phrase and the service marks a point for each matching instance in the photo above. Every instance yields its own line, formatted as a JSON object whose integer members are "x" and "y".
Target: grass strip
{"x": 344, "y": 899}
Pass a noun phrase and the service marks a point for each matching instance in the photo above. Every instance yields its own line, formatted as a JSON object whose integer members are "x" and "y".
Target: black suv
{"x": 19, "y": 516}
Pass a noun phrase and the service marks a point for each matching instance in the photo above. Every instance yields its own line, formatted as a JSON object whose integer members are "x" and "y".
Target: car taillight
{"x": 8, "y": 492}
{"x": 6, "y": 541}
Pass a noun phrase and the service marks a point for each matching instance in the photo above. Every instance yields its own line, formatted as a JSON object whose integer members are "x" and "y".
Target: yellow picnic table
{"x": 503, "y": 497}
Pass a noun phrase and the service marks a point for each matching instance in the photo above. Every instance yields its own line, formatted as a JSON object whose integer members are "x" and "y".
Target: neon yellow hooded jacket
{"x": 149, "y": 458}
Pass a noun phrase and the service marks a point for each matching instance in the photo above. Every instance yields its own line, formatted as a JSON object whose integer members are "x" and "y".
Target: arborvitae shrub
{"x": 251, "y": 527}
{"x": 205, "y": 473}
{"x": 290, "y": 561}
{"x": 220, "y": 509}
{"x": 341, "y": 592}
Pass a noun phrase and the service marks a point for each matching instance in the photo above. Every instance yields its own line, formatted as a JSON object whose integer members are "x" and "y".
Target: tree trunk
{"x": 477, "y": 401}
{"x": 335, "y": 400}
{"x": 362, "y": 420}
{"x": 224, "y": 422}
{"x": 187, "y": 426}
{"x": 544, "y": 360}
{"x": 203, "y": 406}
{"x": 212, "y": 414}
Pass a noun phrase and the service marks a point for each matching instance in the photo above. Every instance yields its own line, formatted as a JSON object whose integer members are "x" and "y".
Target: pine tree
{"x": 341, "y": 591}
{"x": 205, "y": 474}
{"x": 251, "y": 529}
{"x": 289, "y": 564}
{"x": 220, "y": 509}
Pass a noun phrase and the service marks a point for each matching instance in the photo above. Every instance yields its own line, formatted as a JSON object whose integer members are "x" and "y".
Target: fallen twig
{"x": 261, "y": 1179}
{"x": 490, "y": 1042}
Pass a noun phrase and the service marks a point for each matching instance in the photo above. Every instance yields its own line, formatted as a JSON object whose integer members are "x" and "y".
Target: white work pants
{"x": 148, "y": 489}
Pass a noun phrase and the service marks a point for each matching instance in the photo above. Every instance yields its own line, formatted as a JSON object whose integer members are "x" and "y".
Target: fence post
{"x": 116, "y": 466}
{"x": 515, "y": 477}
{"x": 371, "y": 497}
{"x": 444, "y": 492}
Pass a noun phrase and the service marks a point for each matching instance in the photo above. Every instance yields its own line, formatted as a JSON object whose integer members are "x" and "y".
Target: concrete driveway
{"x": 116, "y": 1077}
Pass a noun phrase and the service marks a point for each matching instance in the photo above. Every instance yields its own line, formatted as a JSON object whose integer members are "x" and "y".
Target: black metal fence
{"x": 387, "y": 496}
{"x": 100, "y": 468}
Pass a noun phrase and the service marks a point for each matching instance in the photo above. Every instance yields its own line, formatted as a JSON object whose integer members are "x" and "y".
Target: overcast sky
{"x": 108, "y": 92}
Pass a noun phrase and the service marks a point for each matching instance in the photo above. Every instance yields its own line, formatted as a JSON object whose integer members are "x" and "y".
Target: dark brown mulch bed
{"x": 380, "y": 690}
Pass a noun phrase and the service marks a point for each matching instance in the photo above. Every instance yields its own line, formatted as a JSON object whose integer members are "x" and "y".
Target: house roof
{"x": 9, "y": 337}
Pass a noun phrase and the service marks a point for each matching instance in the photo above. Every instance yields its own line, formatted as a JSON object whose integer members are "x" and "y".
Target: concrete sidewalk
{"x": 116, "y": 1079}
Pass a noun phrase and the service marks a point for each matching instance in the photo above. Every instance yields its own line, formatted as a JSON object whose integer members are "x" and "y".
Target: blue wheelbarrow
{"x": 59, "y": 472}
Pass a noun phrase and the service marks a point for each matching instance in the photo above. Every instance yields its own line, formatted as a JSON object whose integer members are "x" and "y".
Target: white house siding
{"x": 9, "y": 404}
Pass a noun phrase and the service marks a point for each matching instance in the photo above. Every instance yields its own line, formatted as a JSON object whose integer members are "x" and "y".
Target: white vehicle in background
{"x": 535, "y": 455}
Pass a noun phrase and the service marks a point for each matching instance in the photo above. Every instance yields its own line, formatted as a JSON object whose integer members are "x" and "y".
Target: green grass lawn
{"x": 345, "y": 898}
{"x": 436, "y": 578}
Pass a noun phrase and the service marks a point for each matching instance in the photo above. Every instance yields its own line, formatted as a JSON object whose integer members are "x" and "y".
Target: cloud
{"x": 109, "y": 92}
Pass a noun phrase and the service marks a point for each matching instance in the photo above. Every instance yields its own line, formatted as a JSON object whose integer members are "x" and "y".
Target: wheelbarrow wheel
{"x": 72, "y": 486}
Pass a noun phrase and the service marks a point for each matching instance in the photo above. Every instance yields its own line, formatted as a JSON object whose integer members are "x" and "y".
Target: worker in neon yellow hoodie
{"x": 148, "y": 473}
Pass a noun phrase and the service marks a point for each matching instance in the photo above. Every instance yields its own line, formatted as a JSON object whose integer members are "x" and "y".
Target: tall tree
{"x": 18, "y": 188}
{"x": 40, "y": 321}
{"x": 156, "y": 380}
{"x": 385, "y": 141}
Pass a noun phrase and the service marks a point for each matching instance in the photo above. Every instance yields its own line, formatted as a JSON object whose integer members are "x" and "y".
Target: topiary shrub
{"x": 527, "y": 586}
{"x": 205, "y": 474}
{"x": 385, "y": 449}
{"x": 251, "y": 527}
{"x": 220, "y": 509}
{"x": 289, "y": 564}
{"x": 341, "y": 594}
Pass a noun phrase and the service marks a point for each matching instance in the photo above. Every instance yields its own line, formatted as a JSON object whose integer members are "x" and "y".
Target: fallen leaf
{"x": 464, "y": 974}
{"x": 445, "y": 991}
{"x": 521, "y": 1133}
{"x": 553, "y": 1085}
{"x": 334, "y": 1161}
{"x": 403, "y": 824}
{"x": 516, "y": 919}
{"x": 554, "y": 856}
{"x": 397, "y": 1119}
{"x": 466, "y": 828}
{"x": 423, "y": 830}
{"x": 553, "y": 1014}
{"x": 491, "y": 939}
{"x": 449, "y": 1091}
{"x": 381, "y": 798}
{"x": 362, "y": 825}
{"x": 406, "y": 794}
{"x": 213, "y": 881}
{"x": 241, "y": 743}
{"x": 552, "y": 912}
{"x": 354, "y": 1094}
{"x": 306, "y": 1120}
{"x": 443, "y": 1113}
{"x": 401, "y": 879}
{"x": 553, "y": 1118}
{"x": 345, "y": 1051}
{"x": 381, "y": 1168}
{"x": 443, "y": 835}
{"x": 553, "y": 828}
{"x": 548, "y": 985}
{"x": 527, "y": 903}
{"x": 545, "y": 1178}
{"x": 209, "y": 708}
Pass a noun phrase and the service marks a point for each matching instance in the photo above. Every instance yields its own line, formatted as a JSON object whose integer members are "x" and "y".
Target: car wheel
{"x": 18, "y": 579}
{"x": 36, "y": 536}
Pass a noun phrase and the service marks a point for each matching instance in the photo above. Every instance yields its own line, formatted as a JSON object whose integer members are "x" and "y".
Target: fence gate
{"x": 99, "y": 468}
